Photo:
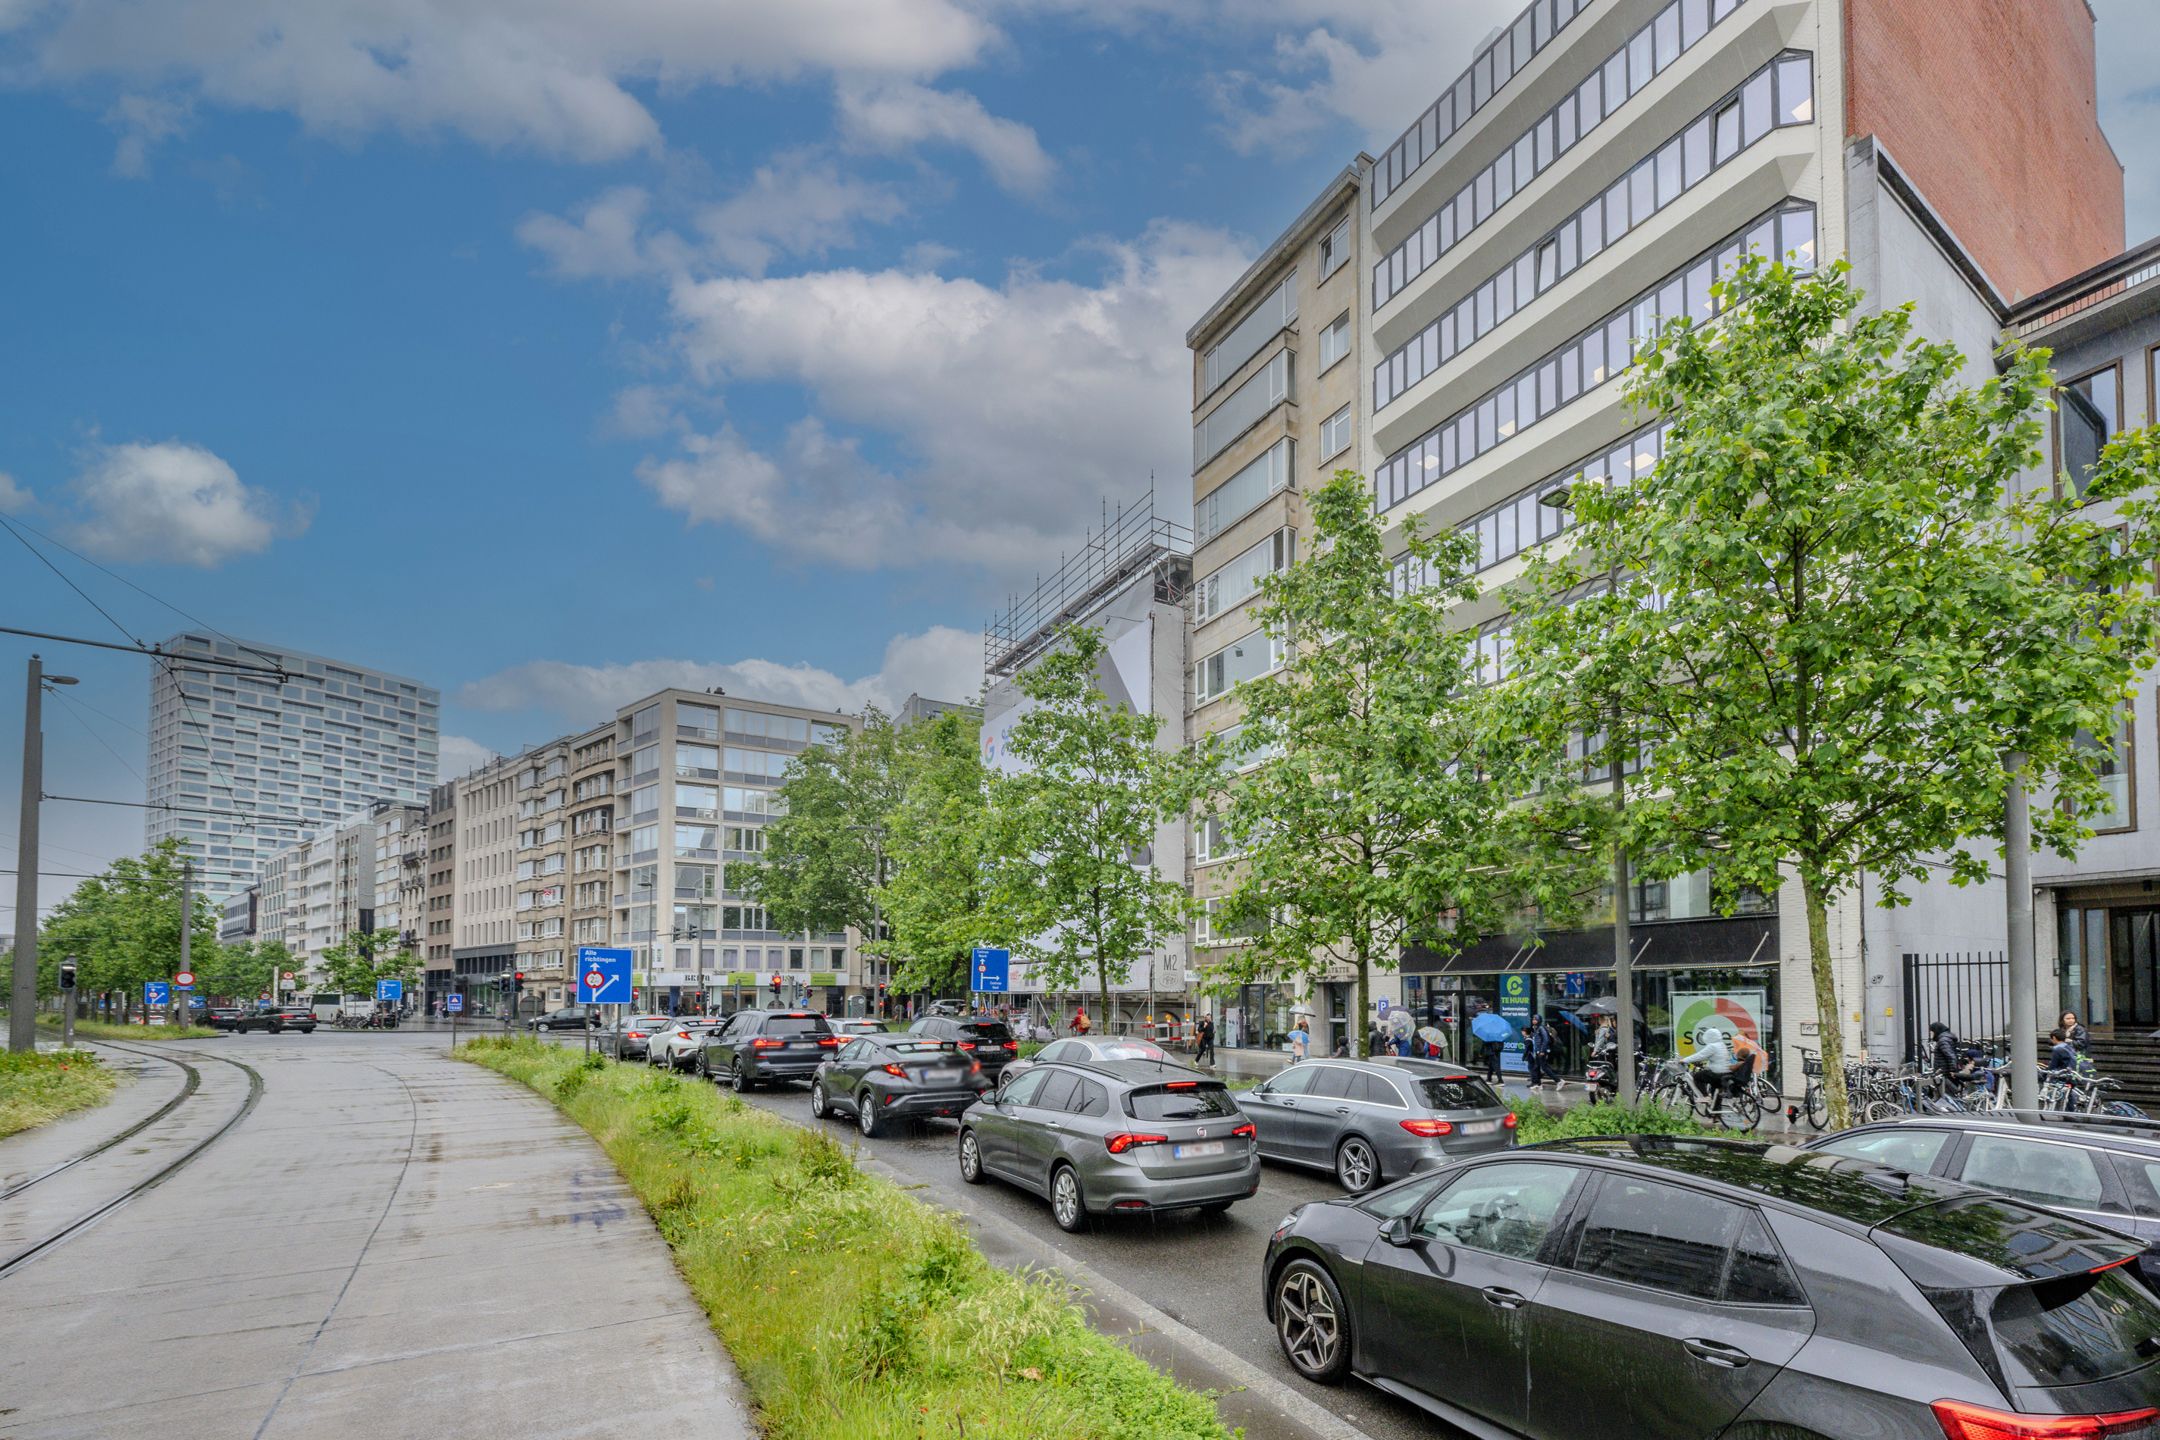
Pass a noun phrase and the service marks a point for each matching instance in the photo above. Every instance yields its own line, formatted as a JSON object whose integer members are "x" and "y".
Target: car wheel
{"x": 1310, "y": 1323}
{"x": 819, "y": 1110}
{"x": 737, "y": 1081}
{"x": 1356, "y": 1166}
{"x": 970, "y": 1158}
{"x": 1066, "y": 1205}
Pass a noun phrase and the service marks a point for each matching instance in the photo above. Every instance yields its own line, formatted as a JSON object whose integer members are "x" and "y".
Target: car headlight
{"x": 1282, "y": 1226}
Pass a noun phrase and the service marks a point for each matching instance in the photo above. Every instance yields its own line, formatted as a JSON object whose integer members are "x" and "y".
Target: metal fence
{"x": 1969, "y": 992}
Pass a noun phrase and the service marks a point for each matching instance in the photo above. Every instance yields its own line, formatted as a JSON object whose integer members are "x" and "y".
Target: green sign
{"x": 741, "y": 977}
{"x": 826, "y": 977}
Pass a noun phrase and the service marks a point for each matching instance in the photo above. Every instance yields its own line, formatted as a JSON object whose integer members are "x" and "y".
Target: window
{"x": 1335, "y": 341}
{"x": 1499, "y": 1209}
{"x": 2114, "y": 772}
{"x": 1641, "y": 1232}
{"x": 1244, "y": 408}
{"x": 1238, "y": 496}
{"x": 1913, "y": 1151}
{"x": 1234, "y": 664}
{"x": 2035, "y": 1170}
{"x": 2087, "y": 412}
{"x": 1335, "y": 248}
{"x": 1239, "y": 580}
{"x": 1089, "y": 1098}
{"x": 1023, "y": 1090}
{"x": 1759, "y": 1275}
{"x": 1335, "y": 434}
{"x": 1263, "y": 323}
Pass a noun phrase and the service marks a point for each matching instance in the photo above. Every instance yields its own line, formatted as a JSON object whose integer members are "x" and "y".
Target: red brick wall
{"x": 1988, "y": 107}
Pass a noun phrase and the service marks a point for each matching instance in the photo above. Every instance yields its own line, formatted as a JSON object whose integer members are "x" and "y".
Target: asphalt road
{"x": 337, "y": 1236}
{"x": 1201, "y": 1270}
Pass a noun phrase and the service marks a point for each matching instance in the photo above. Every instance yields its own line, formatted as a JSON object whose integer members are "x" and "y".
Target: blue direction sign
{"x": 456, "y": 1004}
{"x": 603, "y": 976}
{"x": 993, "y": 970}
{"x": 156, "y": 992}
{"x": 1575, "y": 984}
{"x": 390, "y": 989}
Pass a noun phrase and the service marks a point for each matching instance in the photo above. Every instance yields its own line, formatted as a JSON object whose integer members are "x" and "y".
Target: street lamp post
{"x": 22, "y": 1011}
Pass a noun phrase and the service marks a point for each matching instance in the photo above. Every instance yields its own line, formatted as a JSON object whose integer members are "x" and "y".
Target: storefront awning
{"x": 1738, "y": 940}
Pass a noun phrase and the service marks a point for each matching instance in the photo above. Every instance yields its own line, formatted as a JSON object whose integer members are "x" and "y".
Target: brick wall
{"x": 1988, "y": 107}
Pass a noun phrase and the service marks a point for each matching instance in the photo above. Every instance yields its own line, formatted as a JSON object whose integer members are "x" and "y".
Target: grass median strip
{"x": 103, "y": 1030}
{"x": 36, "y": 1088}
{"x": 851, "y": 1308}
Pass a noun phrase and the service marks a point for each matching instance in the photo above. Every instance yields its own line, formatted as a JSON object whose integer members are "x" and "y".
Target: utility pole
{"x": 22, "y": 996}
{"x": 1623, "y": 951}
{"x": 2024, "y": 976}
{"x": 175, "y": 996}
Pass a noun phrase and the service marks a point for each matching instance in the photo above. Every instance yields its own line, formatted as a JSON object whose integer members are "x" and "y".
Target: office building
{"x": 1584, "y": 179}
{"x": 258, "y": 765}
{"x": 483, "y": 950}
{"x": 541, "y": 890}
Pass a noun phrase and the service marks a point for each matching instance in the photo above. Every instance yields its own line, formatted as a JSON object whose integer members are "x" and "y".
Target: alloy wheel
{"x": 1306, "y": 1322}
{"x": 1355, "y": 1166}
{"x": 818, "y": 1107}
{"x": 1065, "y": 1205}
{"x": 866, "y": 1114}
{"x": 970, "y": 1157}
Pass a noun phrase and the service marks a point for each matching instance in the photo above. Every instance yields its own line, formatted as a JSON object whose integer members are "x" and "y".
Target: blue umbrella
{"x": 1491, "y": 1026}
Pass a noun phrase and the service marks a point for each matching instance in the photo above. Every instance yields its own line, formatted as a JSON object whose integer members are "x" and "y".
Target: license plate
{"x": 1480, "y": 1127}
{"x": 944, "y": 1075}
{"x": 1196, "y": 1149}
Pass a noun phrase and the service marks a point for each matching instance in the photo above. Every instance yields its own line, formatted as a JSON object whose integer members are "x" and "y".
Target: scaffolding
{"x": 1132, "y": 542}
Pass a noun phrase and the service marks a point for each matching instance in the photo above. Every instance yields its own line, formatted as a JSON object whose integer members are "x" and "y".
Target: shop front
{"x": 2108, "y": 962}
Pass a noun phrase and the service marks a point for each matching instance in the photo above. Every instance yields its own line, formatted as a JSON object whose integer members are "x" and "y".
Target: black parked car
{"x": 224, "y": 1017}
{"x": 881, "y": 1078}
{"x": 569, "y": 1017}
{"x": 1649, "y": 1287}
{"x": 987, "y": 1041}
{"x": 2095, "y": 1167}
{"x": 758, "y": 1047}
{"x": 278, "y": 1021}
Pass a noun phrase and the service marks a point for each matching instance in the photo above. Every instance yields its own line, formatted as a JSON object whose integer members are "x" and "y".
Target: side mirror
{"x": 1262, "y": 1089}
{"x": 1397, "y": 1231}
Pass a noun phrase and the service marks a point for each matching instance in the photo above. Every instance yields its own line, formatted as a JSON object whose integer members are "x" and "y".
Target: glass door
{"x": 2133, "y": 959}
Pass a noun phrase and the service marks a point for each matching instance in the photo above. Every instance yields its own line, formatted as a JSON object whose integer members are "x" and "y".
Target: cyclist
{"x": 1714, "y": 1065}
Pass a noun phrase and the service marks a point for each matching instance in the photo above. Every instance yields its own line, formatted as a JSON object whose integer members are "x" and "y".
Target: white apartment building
{"x": 345, "y": 879}
{"x": 541, "y": 883}
{"x": 484, "y": 915}
{"x": 260, "y": 765}
{"x": 1584, "y": 179}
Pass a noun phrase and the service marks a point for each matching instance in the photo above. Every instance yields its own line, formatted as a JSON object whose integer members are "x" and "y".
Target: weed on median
{"x": 851, "y": 1308}
{"x": 42, "y": 1086}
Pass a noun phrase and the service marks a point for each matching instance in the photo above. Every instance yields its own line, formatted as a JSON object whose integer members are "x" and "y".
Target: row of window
{"x": 1490, "y": 69}
{"x": 1238, "y": 581}
{"x": 2089, "y": 411}
{"x": 1673, "y": 32}
{"x": 1234, "y": 664}
{"x": 1244, "y": 408}
{"x": 1589, "y": 360}
{"x": 1270, "y": 316}
{"x": 1778, "y": 95}
{"x": 1240, "y": 495}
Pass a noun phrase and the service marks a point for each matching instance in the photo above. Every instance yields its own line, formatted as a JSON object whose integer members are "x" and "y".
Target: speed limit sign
{"x": 184, "y": 979}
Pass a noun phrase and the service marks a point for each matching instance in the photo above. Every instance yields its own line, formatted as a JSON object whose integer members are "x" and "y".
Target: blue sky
{"x": 550, "y": 352}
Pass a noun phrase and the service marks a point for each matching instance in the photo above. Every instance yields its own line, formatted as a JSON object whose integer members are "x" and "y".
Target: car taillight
{"x": 829, "y": 1041}
{"x": 895, "y": 1070}
{"x": 1510, "y": 1120}
{"x": 1429, "y": 1128}
{"x": 1182, "y": 1085}
{"x": 974, "y": 1067}
{"x": 967, "y": 1044}
{"x": 1961, "y": 1421}
{"x": 1246, "y": 1131}
{"x": 633, "y": 1034}
{"x": 765, "y": 1043}
{"x": 1120, "y": 1143}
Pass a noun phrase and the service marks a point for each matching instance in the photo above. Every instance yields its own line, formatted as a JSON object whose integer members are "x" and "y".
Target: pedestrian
{"x": 1204, "y": 1042}
{"x": 1492, "y": 1061}
{"x": 1537, "y": 1045}
{"x": 1080, "y": 1020}
{"x": 1300, "y": 1041}
{"x": 2073, "y": 1031}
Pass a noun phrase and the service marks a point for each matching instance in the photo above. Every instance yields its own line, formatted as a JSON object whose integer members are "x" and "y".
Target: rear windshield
{"x": 1191, "y": 1100}
{"x": 2076, "y": 1330}
{"x": 923, "y": 1047}
{"x": 796, "y": 1025}
{"x": 2002, "y": 1235}
{"x": 1130, "y": 1050}
{"x": 1466, "y": 1093}
{"x": 986, "y": 1030}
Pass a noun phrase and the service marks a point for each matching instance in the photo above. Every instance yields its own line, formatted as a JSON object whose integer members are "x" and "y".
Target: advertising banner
{"x": 1736, "y": 1012}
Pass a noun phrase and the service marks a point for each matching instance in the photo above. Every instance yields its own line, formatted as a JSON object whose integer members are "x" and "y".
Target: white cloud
{"x": 144, "y": 123}
{"x": 549, "y": 75}
{"x": 895, "y": 116}
{"x": 795, "y": 205}
{"x": 459, "y": 755}
{"x": 602, "y": 243}
{"x": 1019, "y": 407}
{"x": 14, "y": 499}
{"x": 174, "y": 502}
{"x": 941, "y": 662}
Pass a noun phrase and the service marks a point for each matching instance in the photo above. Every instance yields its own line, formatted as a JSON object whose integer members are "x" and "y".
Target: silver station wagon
{"x": 1372, "y": 1121}
{"x": 1102, "y": 1136}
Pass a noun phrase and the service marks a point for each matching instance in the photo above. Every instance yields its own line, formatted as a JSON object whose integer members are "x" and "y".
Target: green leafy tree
{"x": 356, "y": 963}
{"x": 936, "y": 900}
{"x": 1368, "y": 802}
{"x": 1830, "y": 613}
{"x": 1072, "y": 834}
{"x": 123, "y": 927}
{"x": 821, "y": 856}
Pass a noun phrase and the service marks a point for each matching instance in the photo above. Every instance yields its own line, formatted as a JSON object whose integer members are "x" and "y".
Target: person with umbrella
{"x": 1494, "y": 1030}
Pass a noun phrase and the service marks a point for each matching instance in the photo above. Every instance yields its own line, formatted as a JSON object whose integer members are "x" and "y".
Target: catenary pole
{"x": 22, "y": 1011}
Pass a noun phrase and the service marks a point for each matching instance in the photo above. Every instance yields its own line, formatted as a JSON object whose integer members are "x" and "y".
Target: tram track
{"x": 189, "y": 1091}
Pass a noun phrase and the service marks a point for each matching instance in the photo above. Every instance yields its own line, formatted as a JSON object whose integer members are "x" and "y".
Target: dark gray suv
{"x": 766, "y": 1047}
{"x": 1373, "y": 1121}
{"x": 1113, "y": 1135}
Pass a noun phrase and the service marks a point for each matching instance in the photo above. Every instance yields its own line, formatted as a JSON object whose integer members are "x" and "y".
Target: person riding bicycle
{"x": 1714, "y": 1065}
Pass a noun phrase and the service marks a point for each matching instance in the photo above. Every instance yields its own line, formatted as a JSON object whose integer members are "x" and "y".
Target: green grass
{"x": 851, "y": 1308}
{"x": 36, "y": 1088}
{"x": 100, "y": 1030}
{"x": 1534, "y": 1124}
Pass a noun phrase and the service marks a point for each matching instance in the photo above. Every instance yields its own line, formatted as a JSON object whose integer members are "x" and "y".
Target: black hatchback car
{"x": 765, "y": 1047}
{"x": 989, "y": 1042}
{"x": 1651, "y": 1288}
{"x": 882, "y": 1078}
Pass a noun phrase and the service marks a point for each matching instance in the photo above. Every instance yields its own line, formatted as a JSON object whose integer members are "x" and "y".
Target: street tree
{"x": 1366, "y": 796}
{"x": 1830, "y": 613}
{"x": 936, "y": 901}
{"x": 1072, "y": 833}
{"x": 821, "y": 857}
{"x": 123, "y": 927}
{"x": 356, "y": 963}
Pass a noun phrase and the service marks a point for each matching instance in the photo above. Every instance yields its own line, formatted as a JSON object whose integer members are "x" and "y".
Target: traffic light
{"x": 776, "y": 984}
{"x": 67, "y": 974}
{"x": 517, "y": 982}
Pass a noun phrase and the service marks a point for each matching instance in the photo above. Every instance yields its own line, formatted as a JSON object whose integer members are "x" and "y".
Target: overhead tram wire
{"x": 69, "y": 581}
{"x": 157, "y": 652}
{"x": 150, "y": 595}
{"x": 91, "y": 731}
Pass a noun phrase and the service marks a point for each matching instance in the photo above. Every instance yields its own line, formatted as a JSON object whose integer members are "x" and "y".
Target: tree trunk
{"x": 1829, "y": 1010}
{"x": 1102, "y": 981}
{"x": 1360, "y": 1043}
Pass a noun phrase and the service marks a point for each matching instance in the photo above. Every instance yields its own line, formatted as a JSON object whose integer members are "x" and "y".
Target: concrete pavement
{"x": 391, "y": 1244}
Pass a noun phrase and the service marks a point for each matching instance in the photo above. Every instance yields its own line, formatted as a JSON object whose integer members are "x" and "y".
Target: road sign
{"x": 993, "y": 970}
{"x": 1575, "y": 984}
{"x": 456, "y": 1004}
{"x": 389, "y": 989}
{"x": 288, "y": 974}
{"x": 156, "y": 992}
{"x": 1383, "y": 1007}
{"x": 185, "y": 979}
{"x": 603, "y": 976}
